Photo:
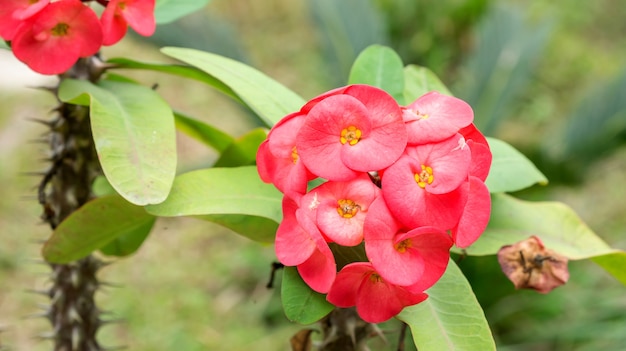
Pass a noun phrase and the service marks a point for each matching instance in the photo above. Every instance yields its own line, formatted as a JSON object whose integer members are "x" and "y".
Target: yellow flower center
{"x": 350, "y": 135}
{"x": 425, "y": 177}
{"x": 347, "y": 208}
{"x": 60, "y": 29}
{"x": 294, "y": 155}
{"x": 375, "y": 278}
{"x": 402, "y": 246}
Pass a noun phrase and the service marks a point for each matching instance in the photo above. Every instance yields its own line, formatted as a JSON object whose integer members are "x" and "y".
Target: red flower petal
{"x": 294, "y": 243}
{"x": 14, "y": 12}
{"x": 475, "y": 216}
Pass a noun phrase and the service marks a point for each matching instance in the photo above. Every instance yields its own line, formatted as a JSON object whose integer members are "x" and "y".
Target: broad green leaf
{"x": 127, "y": 243}
{"x": 235, "y": 196}
{"x": 301, "y": 304}
{"x": 242, "y": 152}
{"x": 178, "y": 70}
{"x": 419, "y": 81}
{"x": 166, "y": 11}
{"x": 451, "y": 318}
{"x": 101, "y": 187}
{"x": 556, "y": 224}
{"x": 134, "y": 134}
{"x": 269, "y": 99}
{"x": 93, "y": 226}
{"x": 203, "y": 132}
{"x": 510, "y": 169}
{"x": 381, "y": 67}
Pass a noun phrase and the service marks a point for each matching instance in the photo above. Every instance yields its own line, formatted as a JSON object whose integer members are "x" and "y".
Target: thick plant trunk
{"x": 65, "y": 187}
{"x": 344, "y": 330}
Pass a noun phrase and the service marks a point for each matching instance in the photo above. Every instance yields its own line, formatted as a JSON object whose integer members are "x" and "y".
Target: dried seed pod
{"x": 530, "y": 265}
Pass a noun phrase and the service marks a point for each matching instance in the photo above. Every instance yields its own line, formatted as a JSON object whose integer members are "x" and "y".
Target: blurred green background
{"x": 548, "y": 77}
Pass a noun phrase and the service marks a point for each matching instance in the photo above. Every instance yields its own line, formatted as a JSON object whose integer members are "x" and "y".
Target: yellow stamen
{"x": 60, "y": 29}
{"x": 375, "y": 278}
{"x": 402, "y": 246}
{"x": 350, "y": 135}
{"x": 294, "y": 155}
{"x": 425, "y": 177}
{"x": 347, "y": 208}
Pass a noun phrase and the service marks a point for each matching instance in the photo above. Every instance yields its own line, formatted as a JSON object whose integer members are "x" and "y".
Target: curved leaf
{"x": 93, "y": 226}
{"x": 420, "y": 80}
{"x": 556, "y": 224}
{"x": 381, "y": 67}
{"x": 510, "y": 169}
{"x": 235, "y": 196}
{"x": 269, "y": 99}
{"x": 178, "y": 70}
{"x": 128, "y": 243}
{"x": 451, "y": 318}
{"x": 134, "y": 134}
{"x": 301, "y": 304}
{"x": 166, "y": 11}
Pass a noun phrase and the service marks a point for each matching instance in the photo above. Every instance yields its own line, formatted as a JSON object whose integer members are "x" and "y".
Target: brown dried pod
{"x": 530, "y": 265}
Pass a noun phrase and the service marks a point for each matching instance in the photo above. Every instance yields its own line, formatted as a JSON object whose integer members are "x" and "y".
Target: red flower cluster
{"x": 51, "y": 36}
{"x": 408, "y": 182}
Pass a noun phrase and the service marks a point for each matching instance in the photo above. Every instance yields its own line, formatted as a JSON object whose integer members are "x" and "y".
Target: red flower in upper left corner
{"x": 13, "y": 12}
{"x": 119, "y": 14}
{"x": 52, "y": 40}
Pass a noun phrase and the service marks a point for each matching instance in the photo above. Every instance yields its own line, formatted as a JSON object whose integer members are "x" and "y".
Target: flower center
{"x": 294, "y": 155}
{"x": 347, "y": 208}
{"x": 375, "y": 278}
{"x": 402, "y": 246}
{"x": 350, "y": 135}
{"x": 60, "y": 29}
{"x": 424, "y": 177}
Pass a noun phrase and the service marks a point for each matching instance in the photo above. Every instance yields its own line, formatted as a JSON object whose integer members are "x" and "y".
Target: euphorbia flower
{"x": 360, "y": 129}
{"x": 434, "y": 117}
{"x": 475, "y": 215}
{"x": 119, "y": 14}
{"x": 481, "y": 154}
{"x": 53, "y": 39}
{"x": 376, "y": 300}
{"x": 14, "y": 12}
{"x": 299, "y": 243}
{"x": 341, "y": 208}
{"x": 416, "y": 257}
{"x": 428, "y": 185}
{"x": 278, "y": 161}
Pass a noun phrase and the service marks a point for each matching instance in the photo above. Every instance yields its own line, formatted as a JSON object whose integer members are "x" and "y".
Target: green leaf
{"x": 177, "y": 70}
{"x": 419, "y": 81}
{"x": 451, "y": 318}
{"x": 269, "y": 99}
{"x": 128, "y": 243}
{"x": 233, "y": 195}
{"x": 556, "y": 224}
{"x": 203, "y": 132}
{"x": 93, "y": 226}
{"x": 134, "y": 134}
{"x": 242, "y": 152}
{"x": 166, "y": 11}
{"x": 4, "y": 45}
{"x": 510, "y": 169}
{"x": 301, "y": 304}
{"x": 381, "y": 67}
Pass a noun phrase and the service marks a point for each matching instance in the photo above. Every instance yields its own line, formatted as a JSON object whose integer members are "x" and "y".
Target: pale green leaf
{"x": 93, "y": 226}
{"x": 451, "y": 318}
{"x": 510, "y": 169}
{"x": 269, "y": 99}
{"x": 134, "y": 134}
{"x": 203, "y": 132}
{"x": 419, "y": 81}
{"x": 235, "y": 197}
{"x": 381, "y": 67}
{"x": 166, "y": 11}
{"x": 300, "y": 303}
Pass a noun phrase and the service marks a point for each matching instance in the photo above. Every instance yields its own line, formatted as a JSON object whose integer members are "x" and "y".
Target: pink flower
{"x": 481, "y": 154}
{"x": 299, "y": 243}
{"x": 416, "y": 257}
{"x": 358, "y": 129}
{"x": 119, "y": 14}
{"x": 53, "y": 39}
{"x": 341, "y": 208}
{"x": 376, "y": 300}
{"x": 434, "y": 117}
{"x": 278, "y": 161}
{"x": 14, "y": 12}
{"x": 476, "y": 213}
{"x": 428, "y": 185}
